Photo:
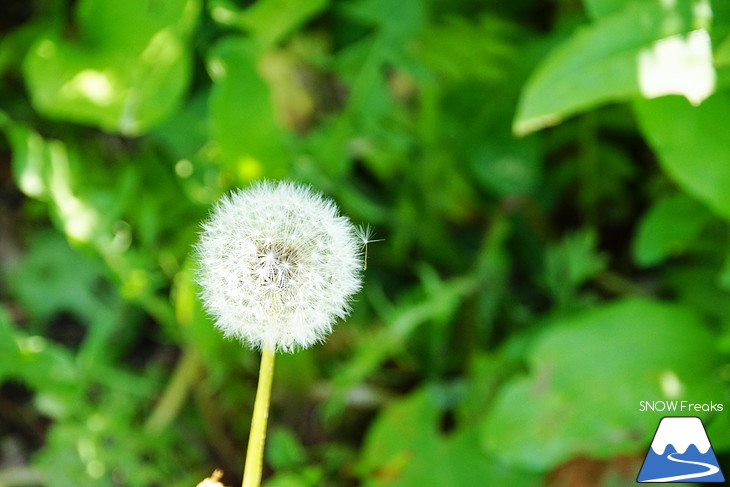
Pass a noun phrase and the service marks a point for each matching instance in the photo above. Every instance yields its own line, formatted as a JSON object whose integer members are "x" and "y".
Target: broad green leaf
{"x": 284, "y": 451}
{"x": 104, "y": 23}
{"x": 588, "y": 376}
{"x": 669, "y": 228}
{"x": 48, "y": 170}
{"x": 457, "y": 461}
{"x": 404, "y": 449}
{"x": 398, "y": 22}
{"x": 698, "y": 286}
{"x": 692, "y": 145}
{"x": 242, "y": 120}
{"x": 603, "y": 8}
{"x": 287, "y": 479}
{"x": 269, "y": 21}
{"x": 528, "y": 428}
{"x": 186, "y": 131}
{"x": 596, "y": 66}
{"x": 31, "y": 159}
{"x": 403, "y": 431}
{"x": 119, "y": 78}
{"x": 722, "y": 52}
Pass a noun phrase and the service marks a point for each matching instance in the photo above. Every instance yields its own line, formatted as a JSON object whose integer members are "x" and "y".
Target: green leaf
{"x": 69, "y": 280}
{"x": 461, "y": 49}
{"x": 404, "y": 449}
{"x": 284, "y": 451}
{"x": 404, "y": 430}
{"x": 404, "y": 318}
{"x": 722, "y": 52}
{"x": 717, "y": 430}
{"x": 49, "y": 170}
{"x": 43, "y": 366}
{"x": 603, "y": 8}
{"x": 242, "y": 120}
{"x": 698, "y": 286}
{"x": 8, "y": 349}
{"x": 571, "y": 262}
{"x": 104, "y": 435}
{"x": 112, "y": 76}
{"x": 457, "y": 461}
{"x": 506, "y": 167}
{"x": 595, "y": 65}
{"x": 398, "y": 22}
{"x": 220, "y": 356}
{"x": 691, "y": 144}
{"x": 287, "y": 479}
{"x": 186, "y": 131}
{"x": 589, "y": 374}
{"x": 269, "y": 21}
{"x": 669, "y": 228}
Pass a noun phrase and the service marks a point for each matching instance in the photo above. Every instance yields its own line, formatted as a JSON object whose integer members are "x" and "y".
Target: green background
{"x": 551, "y": 181}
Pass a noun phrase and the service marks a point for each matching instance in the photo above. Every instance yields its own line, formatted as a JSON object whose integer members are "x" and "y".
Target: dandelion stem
{"x": 257, "y": 437}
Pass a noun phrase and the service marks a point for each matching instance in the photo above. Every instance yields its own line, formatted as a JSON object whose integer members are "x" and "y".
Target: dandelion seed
{"x": 366, "y": 234}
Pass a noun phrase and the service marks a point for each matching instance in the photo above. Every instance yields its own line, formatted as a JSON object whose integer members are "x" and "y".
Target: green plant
{"x": 549, "y": 177}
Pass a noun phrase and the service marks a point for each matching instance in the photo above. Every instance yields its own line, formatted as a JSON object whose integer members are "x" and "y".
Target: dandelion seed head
{"x": 278, "y": 265}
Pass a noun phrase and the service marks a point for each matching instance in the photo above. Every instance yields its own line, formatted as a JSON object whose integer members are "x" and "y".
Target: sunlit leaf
{"x": 588, "y": 376}
{"x": 269, "y": 21}
{"x": 595, "y": 66}
{"x": 691, "y": 145}
{"x": 119, "y": 78}
{"x": 242, "y": 119}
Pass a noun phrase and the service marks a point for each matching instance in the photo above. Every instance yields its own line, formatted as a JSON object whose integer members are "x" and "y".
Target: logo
{"x": 680, "y": 452}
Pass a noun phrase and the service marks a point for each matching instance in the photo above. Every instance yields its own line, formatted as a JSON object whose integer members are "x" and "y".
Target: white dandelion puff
{"x": 278, "y": 265}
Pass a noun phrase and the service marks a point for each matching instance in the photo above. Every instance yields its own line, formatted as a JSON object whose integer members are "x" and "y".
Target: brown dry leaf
{"x": 585, "y": 472}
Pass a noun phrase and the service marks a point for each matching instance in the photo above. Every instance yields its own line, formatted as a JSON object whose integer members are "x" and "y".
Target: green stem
{"x": 589, "y": 167}
{"x": 257, "y": 437}
{"x": 187, "y": 371}
{"x": 21, "y": 476}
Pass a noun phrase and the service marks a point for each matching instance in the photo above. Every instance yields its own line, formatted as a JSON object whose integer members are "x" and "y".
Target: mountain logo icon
{"x": 680, "y": 452}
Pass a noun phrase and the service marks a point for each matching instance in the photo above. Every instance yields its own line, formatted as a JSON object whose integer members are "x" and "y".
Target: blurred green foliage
{"x": 550, "y": 178}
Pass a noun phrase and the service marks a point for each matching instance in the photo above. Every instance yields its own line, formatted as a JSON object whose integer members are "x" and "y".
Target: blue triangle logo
{"x": 680, "y": 452}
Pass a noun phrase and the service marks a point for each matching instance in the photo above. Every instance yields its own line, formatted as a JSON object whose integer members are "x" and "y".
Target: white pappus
{"x": 366, "y": 234}
{"x": 278, "y": 265}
